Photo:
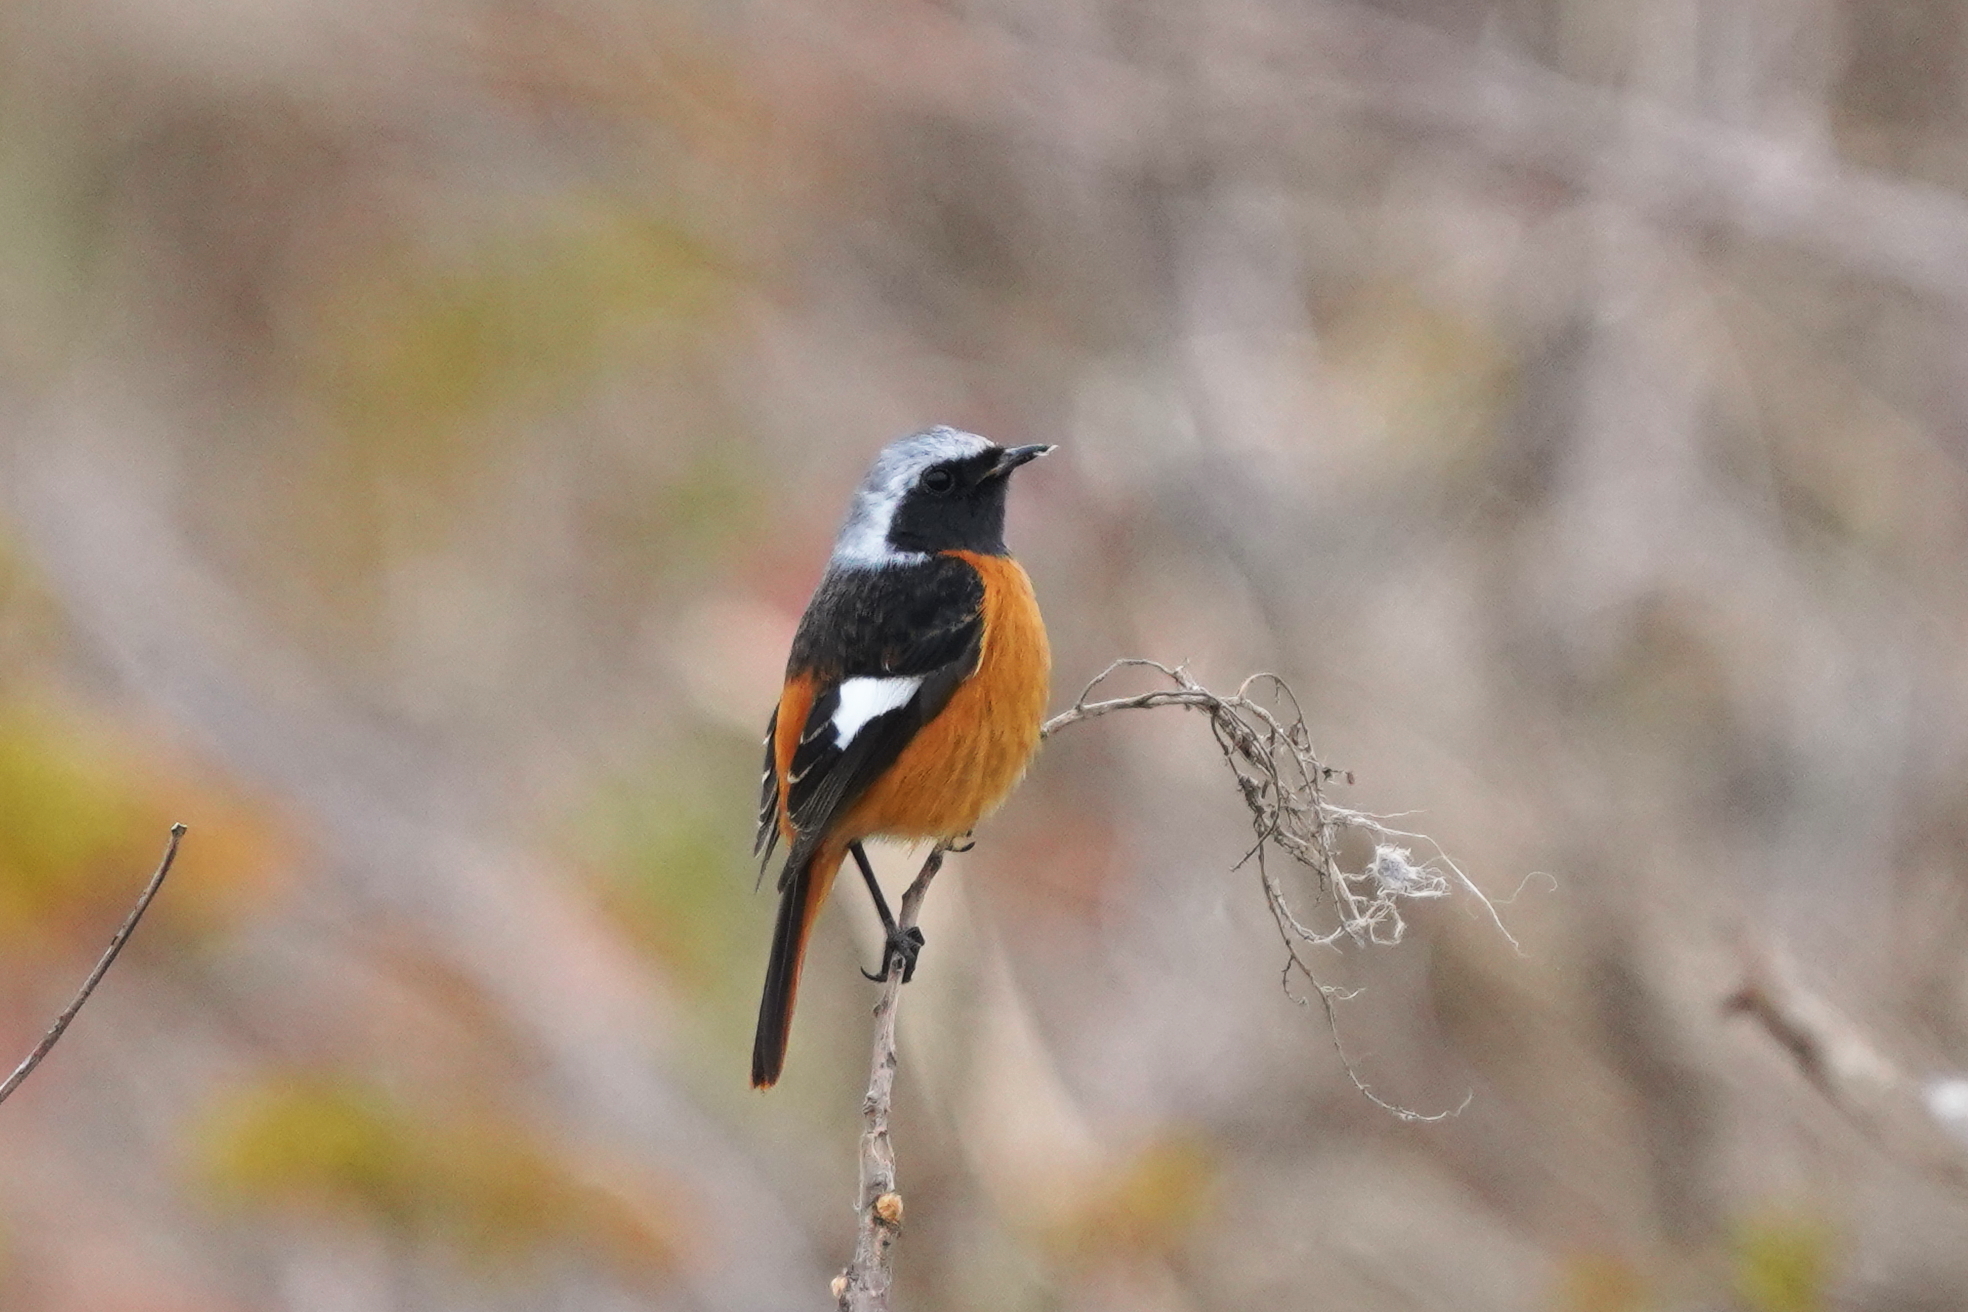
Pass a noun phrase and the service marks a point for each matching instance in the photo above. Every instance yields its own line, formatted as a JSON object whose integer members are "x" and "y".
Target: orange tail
{"x": 802, "y": 889}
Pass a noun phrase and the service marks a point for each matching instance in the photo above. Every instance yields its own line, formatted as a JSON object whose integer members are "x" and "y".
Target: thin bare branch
{"x": 122, "y": 936}
{"x": 864, "y": 1285}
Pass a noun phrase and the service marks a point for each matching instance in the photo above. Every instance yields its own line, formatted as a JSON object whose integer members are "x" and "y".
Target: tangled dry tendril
{"x": 1261, "y": 731}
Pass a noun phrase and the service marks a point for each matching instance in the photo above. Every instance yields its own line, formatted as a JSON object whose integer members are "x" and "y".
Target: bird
{"x": 913, "y": 695}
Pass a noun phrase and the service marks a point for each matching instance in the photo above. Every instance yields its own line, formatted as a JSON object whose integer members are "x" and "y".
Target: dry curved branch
{"x": 1268, "y": 749}
{"x": 116, "y": 942}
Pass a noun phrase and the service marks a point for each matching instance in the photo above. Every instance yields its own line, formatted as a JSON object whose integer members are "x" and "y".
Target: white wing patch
{"x": 861, "y": 700}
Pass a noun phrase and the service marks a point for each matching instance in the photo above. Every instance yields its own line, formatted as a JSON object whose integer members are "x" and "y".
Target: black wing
{"x": 923, "y": 621}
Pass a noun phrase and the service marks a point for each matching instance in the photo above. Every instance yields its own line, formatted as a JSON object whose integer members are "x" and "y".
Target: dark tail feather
{"x": 808, "y": 877}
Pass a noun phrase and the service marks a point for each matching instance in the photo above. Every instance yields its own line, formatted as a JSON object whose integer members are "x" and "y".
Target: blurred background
{"x": 425, "y": 420}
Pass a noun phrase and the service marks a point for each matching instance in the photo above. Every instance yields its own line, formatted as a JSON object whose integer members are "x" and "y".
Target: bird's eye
{"x": 938, "y": 481}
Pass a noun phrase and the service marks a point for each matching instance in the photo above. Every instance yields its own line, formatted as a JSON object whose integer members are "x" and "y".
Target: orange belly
{"x": 962, "y": 764}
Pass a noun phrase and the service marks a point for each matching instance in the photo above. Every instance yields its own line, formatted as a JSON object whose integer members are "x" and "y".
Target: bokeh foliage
{"x": 472, "y": 1181}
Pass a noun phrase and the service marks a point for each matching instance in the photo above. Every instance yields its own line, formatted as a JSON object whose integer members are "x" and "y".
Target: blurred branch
{"x": 116, "y": 942}
{"x": 1924, "y": 1125}
{"x": 1635, "y": 149}
{"x": 864, "y": 1286}
{"x": 1643, "y": 153}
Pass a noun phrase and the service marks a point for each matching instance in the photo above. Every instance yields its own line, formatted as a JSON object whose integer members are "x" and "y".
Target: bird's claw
{"x": 962, "y": 843}
{"x": 903, "y": 946}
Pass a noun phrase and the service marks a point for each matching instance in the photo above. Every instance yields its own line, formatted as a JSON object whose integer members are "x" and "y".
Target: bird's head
{"x": 938, "y": 490}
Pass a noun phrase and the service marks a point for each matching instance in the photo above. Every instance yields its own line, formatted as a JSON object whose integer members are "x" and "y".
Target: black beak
{"x": 1013, "y": 456}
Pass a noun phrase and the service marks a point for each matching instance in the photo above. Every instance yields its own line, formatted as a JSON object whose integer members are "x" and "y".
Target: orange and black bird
{"x": 913, "y": 696}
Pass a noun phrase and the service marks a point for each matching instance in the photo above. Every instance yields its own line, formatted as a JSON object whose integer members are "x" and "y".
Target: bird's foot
{"x": 961, "y": 843}
{"x": 901, "y": 950}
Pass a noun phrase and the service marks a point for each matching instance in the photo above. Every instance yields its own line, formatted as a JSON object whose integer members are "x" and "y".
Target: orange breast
{"x": 965, "y": 761}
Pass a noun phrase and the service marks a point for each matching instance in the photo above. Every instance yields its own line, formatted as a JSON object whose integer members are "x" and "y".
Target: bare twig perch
{"x": 122, "y": 936}
{"x": 1924, "y": 1125}
{"x": 864, "y": 1286}
{"x": 1268, "y": 749}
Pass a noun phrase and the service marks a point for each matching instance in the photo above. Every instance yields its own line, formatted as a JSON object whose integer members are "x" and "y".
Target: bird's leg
{"x": 874, "y": 888}
{"x": 900, "y": 945}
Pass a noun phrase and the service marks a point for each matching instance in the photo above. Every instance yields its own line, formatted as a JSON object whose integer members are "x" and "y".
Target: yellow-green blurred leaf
{"x": 1146, "y": 1205}
{"x": 310, "y": 1144}
{"x": 480, "y": 1183}
{"x": 87, "y": 811}
{"x": 671, "y": 849}
{"x": 70, "y": 814}
{"x": 1783, "y": 1263}
{"x": 412, "y": 349}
